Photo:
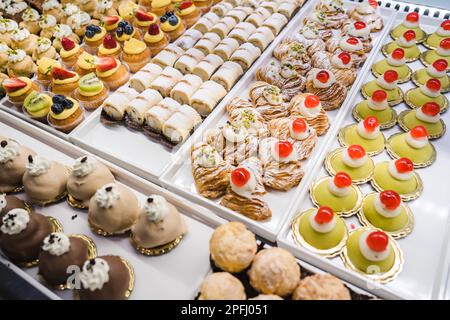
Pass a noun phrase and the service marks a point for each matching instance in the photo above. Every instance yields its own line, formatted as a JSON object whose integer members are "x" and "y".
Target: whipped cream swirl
{"x": 156, "y": 208}
{"x": 9, "y": 150}
{"x": 56, "y": 243}
{"x": 107, "y": 196}
{"x": 95, "y": 274}
{"x": 15, "y": 221}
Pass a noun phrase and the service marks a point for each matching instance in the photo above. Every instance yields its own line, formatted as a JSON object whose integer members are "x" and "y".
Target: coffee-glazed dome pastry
{"x": 407, "y": 42}
{"x": 21, "y": 235}
{"x": 376, "y": 106}
{"x": 87, "y": 176}
{"x": 441, "y": 52}
{"x": 414, "y": 145}
{"x": 58, "y": 252}
{"x": 106, "y": 278}
{"x": 274, "y": 271}
{"x": 232, "y": 247}
{"x": 44, "y": 180}
{"x": 442, "y": 32}
{"x": 321, "y": 287}
{"x": 394, "y": 61}
{"x": 338, "y": 193}
{"x": 399, "y": 176}
{"x": 436, "y": 70}
{"x": 221, "y": 286}
{"x": 353, "y": 160}
{"x": 411, "y": 22}
{"x": 158, "y": 224}
{"x": 428, "y": 116}
{"x": 13, "y": 161}
{"x": 428, "y": 92}
{"x": 386, "y": 211}
{"x": 366, "y": 134}
{"x": 387, "y": 82}
{"x": 8, "y": 203}
{"x": 113, "y": 209}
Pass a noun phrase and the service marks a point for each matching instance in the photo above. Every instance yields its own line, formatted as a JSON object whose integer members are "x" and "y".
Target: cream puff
{"x": 221, "y": 286}
{"x": 22, "y": 39}
{"x": 20, "y": 64}
{"x": 6, "y": 28}
{"x": 52, "y": 7}
{"x": 47, "y": 24}
{"x": 78, "y": 22}
{"x": 30, "y": 20}
{"x": 44, "y": 49}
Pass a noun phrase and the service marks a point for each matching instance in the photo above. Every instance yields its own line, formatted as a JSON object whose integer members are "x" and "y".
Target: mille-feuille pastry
{"x": 386, "y": 82}
{"x": 442, "y": 32}
{"x": 85, "y": 63}
{"x": 281, "y": 165}
{"x": 91, "y": 91}
{"x": 114, "y": 105}
{"x": 429, "y": 92}
{"x": 411, "y": 23}
{"x": 187, "y": 62}
{"x": 22, "y": 234}
{"x": 203, "y": 5}
{"x": 435, "y": 70}
{"x": 86, "y": 177}
{"x": 93, "y": 37}
{"x": 166, "y": 80}
{"x": 143, "y": 19}
{"x": 179, "y": 125}
{"x": 13, "y": 161}
{"x": 136, "y": 108}
{"x": 242, "y": 31}
{"x": 44, "y": 180}
{"x": 188, "y": 12}
{"x": 225, "y": 48}
{"x": 308, "y": 107}
{"x": 65, "y": 113}
{"x": 156, "y": 116}
{"x": 172, "y": 25}
{"x": 52, "y": 7}
{"x": 24, "y": 40}
{"x": 205, "y": 68}
{"x": 47, "y": 24}
{"x": 20, "y": 64}
{"x": 188, "y": 39}
{"x": 185, "y": 88}
{"x": 232, "y": 247}
{"x": 258, "y": 16}
{"x": 208, "y": 42}
{"x": 297, "y": 132}
{"x": 205, "y": 99}
{"x": 8, "y": 203}
{"x": 30, "y": 20}
{"x": 159, "y": 7}
{"x": 63, "y": 31}
{"x": 239, "y": 13}
{"x": 228, "y": 74}
{"x": 79, "y": 22}
{"x": 222, "y": 8}
{"x": 441, "y": 52}
{"x": 168, "y": 56}
{"x": 68, "y": 9}
{"x": 268, "y": 100}
{"x": 156, "y": 39}
{"x": 64, "y": 81}
{"x": 222, "y": 286}
{"x": 376, "y": 106}
{"x": 17, "y": 89}
{"x": 224, "y": 26}
{"x": 110, "y": 47}
{"x": 321, "y": 287}
{"x": 407, "y": 42}
{"x": 275, "y": 23}
{"x": 394, "y": 61}
{"x": 323, "y": 84}
{"x": 366, "y": 134}
{"x": 242, "y": 112}
{"x": 6, "y": 28}
{"x": 428, "y": 116}
{"x": 245, "y": 55}
{"x": 135, "y": 54}
{"x": 352, "y": 45}
{"x": 312, "y": 38}
{"x": 360, "y": 30}
{"x": 112, "y": 72}
{"x": 206, "y": 22}
{"x": 70, "y": 52}
{"x": 274, "y": 271}
{"x": 369, "y": 13}
{"x": 211, "y": 173}
{"x": 143, "y": 79}
{"x": 261, "y": 38}
{"x": 113, "y": 209}
{"x": 340, "y": 64}
{"x": 44, "y": 70}
{"x": 246, "y": 187}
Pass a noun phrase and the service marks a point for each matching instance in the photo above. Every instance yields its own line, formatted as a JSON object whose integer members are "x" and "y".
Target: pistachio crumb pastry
{"x": 136, "y": 54}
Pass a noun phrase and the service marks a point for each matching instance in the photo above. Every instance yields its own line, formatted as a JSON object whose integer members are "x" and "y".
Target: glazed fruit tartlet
{"x": 136, "y": 54}
{"x": 172, "y": 25}
{"x": 155, "y": 39}
{"x": 64, "y": 81}
{"x": 45, "y": 67}
{"x": 91, "y": 91}
{"x": 17, "y": 89}
{"x": 93, "y": 37}
{"x": 37, "y": 105}
{"x": 65, "y": 113}
{"x": 109, "y": 47}
{"x": 70, "y": 52}
{"x": 113, "y": 72}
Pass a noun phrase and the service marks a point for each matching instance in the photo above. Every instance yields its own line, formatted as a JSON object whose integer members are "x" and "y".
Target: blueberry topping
{"x": 90, "y": 27}
{"x": 170, "y": 13}
{"x": 97, "y": 29}
{"x": 58, "y": 98}
{"x": 57, "y": 108}
{"x": 119, "y": 31}
{"x": 129, "y": 30}
{"x": 67, "y": 104}
{"x": 89, "y": 33}
{"x": 122, "y": 24}
{"x": 163, "y": 19}
{"x": 173, "y": 20}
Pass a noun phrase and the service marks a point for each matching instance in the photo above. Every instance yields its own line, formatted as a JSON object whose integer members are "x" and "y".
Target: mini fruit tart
{"x": 85, "y": 64}
{"x": 188, "y": 12}
{"x": 91, "y": 91}
{"x": 113, "y": 72}
{"x": 70, "y": 52}
{"x": 376, "y": 106}
{"x": 411, "y": 23}
{"x": 429, "y": 92}
{"x": 155, "y": 39}
{"x": 110, "y": 47}
{"x": 436, "y": 70}
{"x": 386, "y": 82}
{"x": 17, "y": 89}
{"x": 110, "y": 23}
{"x": 37, "y": 105}
{"x": 143, "y": 20}
{"x": 395, "y": 61}
{"x": 125, "y": 31}
{"x": 407, "y": 42}
{"x": 441, "y": 52}
{"x": 442, "y": 32}
{"x": 366, "y": 134}
{"x": 136, "y": 54}
{"x": 172, "y": 25}
{"x": 93, "y": 37}
{"x": 65, "y": 113}
{"x": 428, "y": 116}
{"x": 414, "y": 145}
{"x": 338, "y": 193}
{"x": 64, "y": 81}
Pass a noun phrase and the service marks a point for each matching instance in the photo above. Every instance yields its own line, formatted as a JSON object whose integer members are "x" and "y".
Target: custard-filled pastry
{"x": 177, "y": 128}
{"x": 166, "y": 81}
{"x": 239, "y": 13}
{"x": 246, "y": 187}
{"x": 268, "y": 100}
{"x": 187, "y": 62}
{"x": 281, "y": 165}
{"x": 225, "y": 48}
{"x": 323, "y": 84}
{"x": 369, "y": 13}
{"x": 242, "y": 31}
{"x": 143, "y": 79}
{"x": 242, "y": 112}
{"x": 352, "y": 45}
{"x": 205, "y": 99}
{"x": 228, "y": 74}
{"x": 302, "y": 137}
{"x": 168, "y": 56}
{"x": 221, "y": 286}
{"x": 308, "y": 107}
{"x": 245, "y": 55}
{"x": 284, "y": 76}
{"x": 233, "y": 142}
{"x": 275, "y": 23}
{"x": 360, "y": 30}
{"x": 24, "y": 40}
{"x": 206, "y": 22}
{"x": 208, "y": 42}
{"x": 211, "y": 173}
{"x": 205, "y": 68}
{"x": 261, "y": 38}
{"x": 258, "y": 16}
{"x": 30, "y": 20}
{"x": 188, "y": 39}
{"x": 156, "y": 116}
{"x": 20, "y": 64}
{"x": 340, "y": 64}
{"x": 114, "y": 106}
{"x": 185, "y": 88}
{"x": 224, "y": 26}
{"x": 137, "y": 107}
{"x": 312, "y": 38}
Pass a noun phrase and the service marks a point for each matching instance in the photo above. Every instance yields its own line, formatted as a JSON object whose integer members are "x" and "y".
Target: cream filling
{"x": 434, "y": 73}
{"x": 233, "y": 134}
{"x": 338, "y": 192}
{"x": 381, "y": 209}
{"x": 377, "y": 106}
{"x": 386, "y": 85}
{"x": 414, "y": 142}
{"x": 402, "y": 42}
{"x": 428, "y": 92}
{"x": 368, "y": 253}
{"x": 299, "y": 135}
{"x": 443, "y": 52}
{"x": 426, "y": 118}
{"x": 395, "y": 62}
{"x": 247, "y": 189}
{"x": 399, "y": 175}
{"x": 366, "y": 134}
{"x": 410, "y": 25}
{"x": 351, "y": 162}
{"x": 309, "y": 112}
{"x": 363, "y": 33}
{"x": 324, "y": 227}
{"x": 344, "y": 45}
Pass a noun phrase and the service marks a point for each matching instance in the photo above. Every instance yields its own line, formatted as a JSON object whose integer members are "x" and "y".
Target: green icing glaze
{"x": 324, "y": 197}
{"x": 431, "y": 56}
{"x": 321, "y": 241}
{"x": 411, "y": 121}
{"x": 412, "y": 52}
{"x": 351, "y": 136}
{"x": 384, "y": 179}
{"x": 403, "y": 149}
{"x": 377, "y": 220}
{"x": 401, "y": 29}
{"x": 384, "y": 116}
{"x": 434, "y": 40}
{"x": 423, "y": 76}
{"x": 355, "y": 173}
{"x": 392, "y": 95}
{"x": 381, "y": 66}
{"x": 418, "y": 98}
{"x": 360, "y": 262}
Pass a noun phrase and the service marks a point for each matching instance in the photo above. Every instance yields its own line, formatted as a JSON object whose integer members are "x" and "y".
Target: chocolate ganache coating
{"x": 7, "y": 203}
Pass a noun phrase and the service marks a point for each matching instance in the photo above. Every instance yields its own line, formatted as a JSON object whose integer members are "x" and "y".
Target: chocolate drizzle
{"x": 108, "y": 189}
{"x": 83, "y": 160}
{"x": 4, "y": 143}
{"x": 149, "y": 199}
{"x": 30, "y": 158}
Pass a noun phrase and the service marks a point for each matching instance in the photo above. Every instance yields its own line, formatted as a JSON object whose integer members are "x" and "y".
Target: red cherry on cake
{"x": 431, "y": 109}
{"x": 409, "y": 35}
{"x": 299, "y": 125}
{"x": 419, "y": 132}
{"x": 359, "y": 25}
{"x": 185, "y": 5}
{"x": 323, "y": 76}
{"x": 353, "y": 41}
{"x": 143, "y": 16}
{"x": 445, "y": 44}
{"x": 324, "y": 215}
{"x": 240, "y": 176}
{"x": 440, "y": 64}
{"x": 377, "y": 241}
{"x": 390, "y": 76}
{"x": 342, "y": 180}
{"x": 434, "y": 84}
{"x": 446, "y": 25}
{"x": 111, "y": 20}
{"x": 390, "y": 199}
{"x": 62, "y": 74}
{"x": 283, "y": 148}
{"x": 13, "y": 84}
{"x": 379, "y": 96}
{"x": 109, "y": 42}
{"x": 412, "y": 17}
{"x": 356, "y": 151}
{"x": 153, "y": 29}
{"x": 67, "y": 44}
{"x": 345, "y": 57}
{"x": 312, "y": 101}
{"x": 398, "y": 54}
{"x": 371, "y": 123}
{"x": 404, "y": 165}
{"x": 106, "y": 63}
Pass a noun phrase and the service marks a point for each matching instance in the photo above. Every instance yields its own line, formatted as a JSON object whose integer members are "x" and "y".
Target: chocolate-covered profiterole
{"x": 88, "y": 175}
{"x": 159, "y": 223}
{"x": 113, "y": 209}
{"x": 44, "y": 180}
{"x": 22, "y": 235}
{"x": 7, "y": 203}
{"x": 13, "y": 159}
{"x": 104, "y": 278}
{"x": 60, "y": 251}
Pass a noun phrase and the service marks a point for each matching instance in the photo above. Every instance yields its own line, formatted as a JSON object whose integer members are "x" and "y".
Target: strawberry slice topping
{"x": 143, "y": 16}
{"x": 62, "y": 74}
{"x": 185, "y": 5}
{"x": 111, "y": 20}
{"x": 13, "y": 84}
{"x": 106, "y": 63}
{"x": 67, "y": 44}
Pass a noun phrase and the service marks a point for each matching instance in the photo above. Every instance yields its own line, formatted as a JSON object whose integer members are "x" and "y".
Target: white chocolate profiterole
{"x": 371, "y": 252}
{"x": 354, "y": 156}
{"x": 56, "y": 243}
{"x": 401, "y": 169}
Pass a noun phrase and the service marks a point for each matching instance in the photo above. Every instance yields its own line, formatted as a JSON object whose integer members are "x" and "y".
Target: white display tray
{"x": 179, "y": 176}
{"x": 424, "y": 249}
{"x": 133, "y": 150}
{"x": 175, "y": 275}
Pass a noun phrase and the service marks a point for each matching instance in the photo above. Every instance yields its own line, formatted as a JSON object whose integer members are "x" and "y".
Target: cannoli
{"x": 207, "y": 97}
{"x": 188, "y": 39}
{"x": 261, "y": 38}
{"x": 308, "y": 107}
{"x": 206, "y": 22}
{"x": 208, "y": 66}
{"x": 143, "y": 78}
{"x": 157, "y": 115}
{"x": 114, "y": 106}
{"x": 180, "y": 124}
{"x": 168, "y": 56}
{"x": 166, "y": 81}
{"x": 275, "y": 23}
{"x": 185, "y": 88}
{"x": 258, "y": 17}
{"x": 187, "y": 62}
{"x": 208, "y": 42}
{"x": 268, "y": 100}
{"x": 242, "y": 32}
{"x": 228, "y": 74}
{"x": 224, "y": 26}
{"x": 245, "y": 55}
{"x": 225, "y": 48}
